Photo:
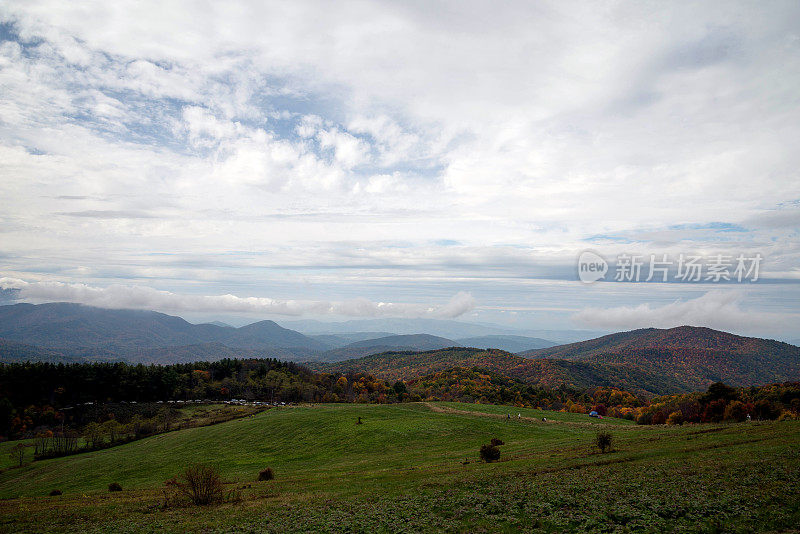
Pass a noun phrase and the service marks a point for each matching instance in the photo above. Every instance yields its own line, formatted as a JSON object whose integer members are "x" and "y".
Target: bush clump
{"x": 266, "y": 474}
{"x": 489, "y": 453}
{"x": 603, "y": 441}
{"x": 55, "y": 492}
{"x": 497, "y": 442}
{"x": 202, "y": 484}
{"x": 114, "y": 486}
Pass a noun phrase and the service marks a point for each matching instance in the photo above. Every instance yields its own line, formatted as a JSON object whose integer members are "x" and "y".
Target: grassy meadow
{"x": 415, "y": 467}
{"x": 184, "y": 416}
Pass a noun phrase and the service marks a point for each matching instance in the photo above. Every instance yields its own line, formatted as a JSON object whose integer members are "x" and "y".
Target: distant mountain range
{"x": 407, "y": 342}
{"x": 438, "y": 327}
{"x": 340, "y": 340}
{"x": 96, "y": 333}
{"x": 73, "y": 332}
{"x": 506, "y": 343}
{"x": 650, "y": 360}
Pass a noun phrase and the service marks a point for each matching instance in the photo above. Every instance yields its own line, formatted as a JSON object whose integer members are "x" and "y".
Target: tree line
{"x": 720, "y": 403}
{"x": 40, "y": 397}
{"x": 47, "y": 395}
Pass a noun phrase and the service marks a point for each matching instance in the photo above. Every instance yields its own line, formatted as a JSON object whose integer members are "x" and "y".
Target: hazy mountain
{"x": 265, "y": 334}
{"x": 74, "y": 326}
{"x": 219, "y": 323}
{"x": 410, "y": 342}
{"x": 340, "y": 340}
{"x": 562, "y": 336}
{"x": 413, "y": 341}
{"x": 13, "y": 351}
{"x": 506, "y": 343}
{"x": 437, "y": 327}
{"x": 193, "y": 353}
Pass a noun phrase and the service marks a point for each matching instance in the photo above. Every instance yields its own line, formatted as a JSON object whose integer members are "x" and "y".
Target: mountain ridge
{"x": 509, "y": 343}
{"x": 695, "y": 337}
{"x": 651, "y": 361}
{"x": 74, "y": 326}
{"x": 402, "y": 342}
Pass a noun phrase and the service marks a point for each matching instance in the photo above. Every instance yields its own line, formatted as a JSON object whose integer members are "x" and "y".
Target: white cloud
{"x": 718, "y": 309}
{"x": 349, "y": 151}
{"x": 140, "y": 297}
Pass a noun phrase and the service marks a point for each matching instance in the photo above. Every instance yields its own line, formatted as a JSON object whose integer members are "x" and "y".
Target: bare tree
{"x": 202, "y": 484}
{"x": 17, "y": 454}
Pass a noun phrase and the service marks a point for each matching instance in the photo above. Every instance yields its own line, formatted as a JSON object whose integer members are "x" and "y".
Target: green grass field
{"x": 192, "y": 414}
{"x": 404, "y": 469}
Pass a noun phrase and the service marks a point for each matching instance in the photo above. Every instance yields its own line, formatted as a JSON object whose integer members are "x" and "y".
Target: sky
{"x": 284, "y": 160}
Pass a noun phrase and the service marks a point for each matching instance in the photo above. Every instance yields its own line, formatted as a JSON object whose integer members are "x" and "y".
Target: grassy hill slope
{"x": 294, "y": 441}
{"x": 403, "y": 468}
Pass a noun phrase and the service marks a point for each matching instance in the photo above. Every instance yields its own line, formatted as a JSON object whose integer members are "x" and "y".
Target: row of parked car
{"x": 244, "y": 402}
{"x": 240, "y": 402}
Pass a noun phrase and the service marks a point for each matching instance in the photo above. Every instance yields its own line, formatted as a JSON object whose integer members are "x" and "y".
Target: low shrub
{"x": 172, "y": 493}
{"x": 497, "y": 442}
{"x": 266, "y": 474}
{"x": 202, "y": 484}
{"x": 114, "y": 486}
{"x": 489, "y": 453}
{"x": 55, "y": 493}
{"x": 603, "y": 441}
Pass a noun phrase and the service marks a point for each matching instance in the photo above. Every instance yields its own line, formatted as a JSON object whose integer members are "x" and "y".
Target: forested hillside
{"x": 543, "y": 372}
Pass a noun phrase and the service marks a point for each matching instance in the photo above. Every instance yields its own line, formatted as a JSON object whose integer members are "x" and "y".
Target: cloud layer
{"x": 720, "y": 310}
{"x": 394, "y": 151}
{"x": 133, "y": 297}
